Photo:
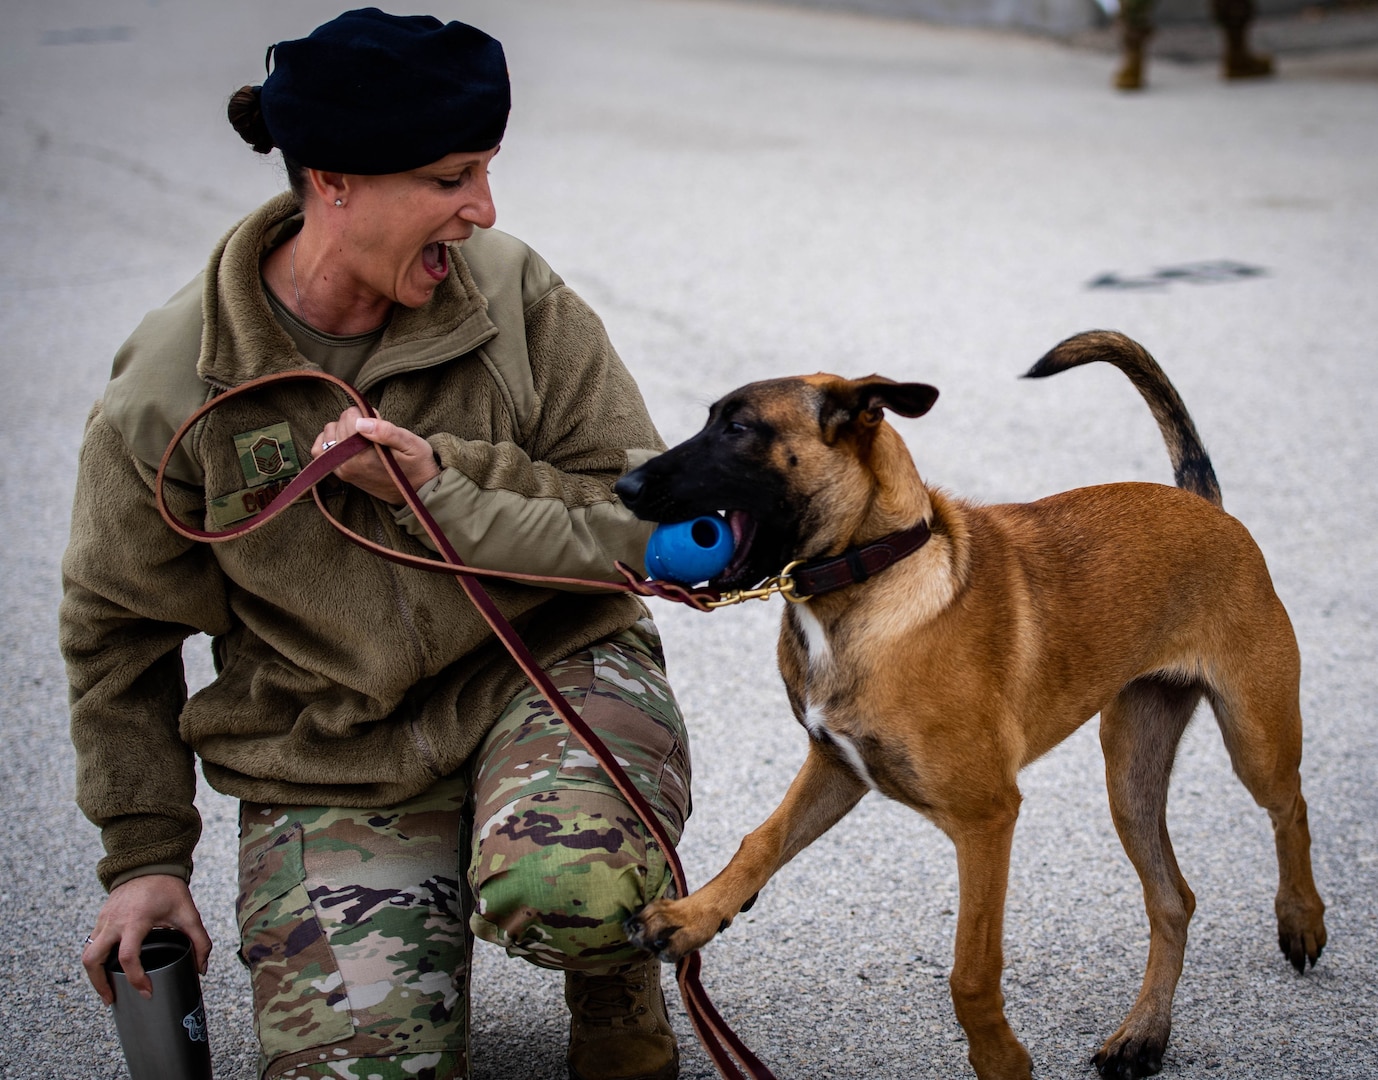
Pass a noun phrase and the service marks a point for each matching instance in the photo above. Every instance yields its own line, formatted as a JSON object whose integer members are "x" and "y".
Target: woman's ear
{"x": 331, "y": 187}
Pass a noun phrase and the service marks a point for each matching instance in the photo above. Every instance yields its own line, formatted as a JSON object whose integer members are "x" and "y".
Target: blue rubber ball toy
{"x": 689, "y": 552}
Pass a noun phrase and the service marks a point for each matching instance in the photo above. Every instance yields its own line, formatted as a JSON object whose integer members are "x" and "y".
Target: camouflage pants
{"x": 357, "y": 924}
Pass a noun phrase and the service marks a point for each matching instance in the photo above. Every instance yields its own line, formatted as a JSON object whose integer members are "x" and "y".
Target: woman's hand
{"x": 367, "y": 471}
{"x": 129, "y": 913}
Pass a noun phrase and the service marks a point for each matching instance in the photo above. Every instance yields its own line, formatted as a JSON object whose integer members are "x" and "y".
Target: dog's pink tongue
{"x": 737, "y": 521}
{"x": 436, "y": 259}
{"x": 743, "y": 527}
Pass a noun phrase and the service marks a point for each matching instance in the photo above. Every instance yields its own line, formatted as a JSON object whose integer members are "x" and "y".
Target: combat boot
{"x": 1233, "y": 18}
{"x": 1133, "y": 47}
{"x": 618, "y": 1026}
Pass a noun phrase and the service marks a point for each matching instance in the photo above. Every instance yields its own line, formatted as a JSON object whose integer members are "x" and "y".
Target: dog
{"x": 968, "y": 640}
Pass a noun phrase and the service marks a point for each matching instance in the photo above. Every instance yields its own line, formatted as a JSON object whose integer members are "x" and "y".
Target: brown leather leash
{"x": 722, "y": 1044}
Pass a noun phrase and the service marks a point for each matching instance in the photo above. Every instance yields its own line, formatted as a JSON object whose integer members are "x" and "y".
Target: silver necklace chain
{"x": 292, "y": 267}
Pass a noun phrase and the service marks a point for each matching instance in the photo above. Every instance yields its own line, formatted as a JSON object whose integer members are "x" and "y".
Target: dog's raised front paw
{"x": 668, "y": 929}
{"x": 640, "y": 934}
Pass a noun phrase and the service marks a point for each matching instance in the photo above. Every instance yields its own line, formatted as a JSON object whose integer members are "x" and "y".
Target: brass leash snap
{"x": 782, "y": 583}
{"x": 786, "y": 581}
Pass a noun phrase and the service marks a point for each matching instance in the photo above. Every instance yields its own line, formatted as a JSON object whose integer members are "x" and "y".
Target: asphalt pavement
{"x": 744, "y": 191}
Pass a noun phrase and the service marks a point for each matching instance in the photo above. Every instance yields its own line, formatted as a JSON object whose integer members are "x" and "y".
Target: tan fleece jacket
{"x": 342, "y": 679}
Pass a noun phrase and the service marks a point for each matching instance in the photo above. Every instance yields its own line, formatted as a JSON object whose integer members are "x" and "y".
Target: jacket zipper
{"x": 403, "y": 608}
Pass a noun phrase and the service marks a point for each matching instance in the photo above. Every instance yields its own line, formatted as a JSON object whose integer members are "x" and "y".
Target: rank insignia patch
{"x": 268, "y": 460}
{"x": 266, "y": 454}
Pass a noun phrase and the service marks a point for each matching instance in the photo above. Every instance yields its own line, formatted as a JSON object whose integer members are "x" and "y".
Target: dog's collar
{"x": 856, "y": 564}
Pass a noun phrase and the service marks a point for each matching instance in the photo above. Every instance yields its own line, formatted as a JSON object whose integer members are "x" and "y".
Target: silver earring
{"x": 339, "y": 202}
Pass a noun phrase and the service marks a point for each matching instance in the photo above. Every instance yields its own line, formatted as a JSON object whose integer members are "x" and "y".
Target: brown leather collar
{"x": 856, "y": 564}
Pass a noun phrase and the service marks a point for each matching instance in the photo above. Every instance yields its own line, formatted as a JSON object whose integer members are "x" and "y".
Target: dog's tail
{"x": 1191, "y": 465}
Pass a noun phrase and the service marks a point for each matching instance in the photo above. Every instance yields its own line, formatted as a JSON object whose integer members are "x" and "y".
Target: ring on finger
{"x": 327, "y": 445}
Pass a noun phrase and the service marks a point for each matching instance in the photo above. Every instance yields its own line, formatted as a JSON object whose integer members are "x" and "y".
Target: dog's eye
{"x": 734, "y": 427}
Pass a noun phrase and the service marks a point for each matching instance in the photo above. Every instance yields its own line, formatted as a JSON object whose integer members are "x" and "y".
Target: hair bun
{"x": 245, "y": 112}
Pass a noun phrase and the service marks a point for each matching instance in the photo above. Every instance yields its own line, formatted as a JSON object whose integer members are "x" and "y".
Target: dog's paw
{"x": 655, "y": 938}
{"x": 1129, "y": 1060}
{"x": 668, "y": 929}
{"x": 1302, "y": 944}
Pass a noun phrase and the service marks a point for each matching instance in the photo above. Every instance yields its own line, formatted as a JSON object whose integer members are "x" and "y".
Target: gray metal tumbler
{"x": 164, "y": 1037}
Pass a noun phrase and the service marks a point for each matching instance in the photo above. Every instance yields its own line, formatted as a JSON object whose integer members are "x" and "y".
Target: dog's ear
{"x": 906, "y": 399}
{"x": 862, "y": 403}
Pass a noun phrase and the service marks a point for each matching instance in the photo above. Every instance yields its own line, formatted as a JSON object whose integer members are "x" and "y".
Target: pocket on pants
{"x": 630, "y": 706}
{"x": 299, "y": 994}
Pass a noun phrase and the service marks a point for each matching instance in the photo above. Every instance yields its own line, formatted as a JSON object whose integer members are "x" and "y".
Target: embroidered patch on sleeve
{"x": 268, "y": 461}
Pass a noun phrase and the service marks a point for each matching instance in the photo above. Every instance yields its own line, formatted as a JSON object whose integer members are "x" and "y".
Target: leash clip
{"x": 782, "y": 583}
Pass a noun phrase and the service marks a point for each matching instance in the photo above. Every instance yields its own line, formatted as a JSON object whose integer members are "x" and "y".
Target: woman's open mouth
{"x": 436, "y": 259}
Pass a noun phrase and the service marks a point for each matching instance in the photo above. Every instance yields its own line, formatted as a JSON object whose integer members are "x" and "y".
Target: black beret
{"x": 373, "y": 93}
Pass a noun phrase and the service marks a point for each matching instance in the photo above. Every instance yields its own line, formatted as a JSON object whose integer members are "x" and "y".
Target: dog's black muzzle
{"x": 684, "y": 483}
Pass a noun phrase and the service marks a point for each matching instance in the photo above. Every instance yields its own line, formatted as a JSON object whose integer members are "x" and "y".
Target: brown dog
{"x": 935, "y": 680}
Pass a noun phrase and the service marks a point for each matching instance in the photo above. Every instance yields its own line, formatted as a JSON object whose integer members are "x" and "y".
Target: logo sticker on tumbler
{"x": 195, "y": 1023}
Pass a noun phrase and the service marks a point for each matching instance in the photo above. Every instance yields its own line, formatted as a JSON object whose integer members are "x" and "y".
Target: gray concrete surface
{"x": 745, "y": 191}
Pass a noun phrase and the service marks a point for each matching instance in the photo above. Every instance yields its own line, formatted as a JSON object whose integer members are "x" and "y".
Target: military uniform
{"x": 356, "y": 923}
{"x": 386, "y": 774}
{"x": 1232, "y": 16}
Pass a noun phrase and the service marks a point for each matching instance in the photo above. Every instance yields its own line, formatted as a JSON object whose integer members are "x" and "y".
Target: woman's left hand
{"x": 366, "y": 471}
